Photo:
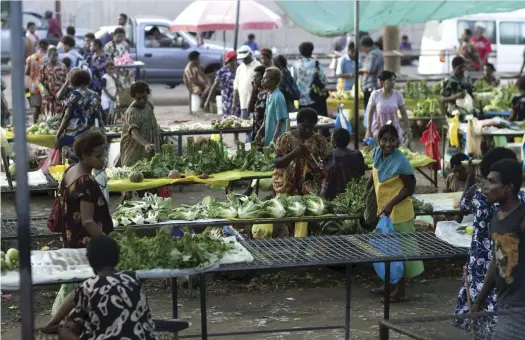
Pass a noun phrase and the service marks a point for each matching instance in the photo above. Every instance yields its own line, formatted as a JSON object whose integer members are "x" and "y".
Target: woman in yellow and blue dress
{"x": 394, "y": 183}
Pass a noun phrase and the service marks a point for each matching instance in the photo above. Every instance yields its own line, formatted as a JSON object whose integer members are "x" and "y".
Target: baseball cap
{"x": 243, "y": 52}
{"x": 230, "y": 55}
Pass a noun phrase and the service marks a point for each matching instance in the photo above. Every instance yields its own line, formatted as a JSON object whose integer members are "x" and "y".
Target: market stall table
{"x": 288, "y": 253}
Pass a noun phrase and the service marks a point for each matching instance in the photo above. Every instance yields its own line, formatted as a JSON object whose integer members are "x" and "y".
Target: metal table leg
{"x": 348, "y": 296}
{"x": 204, "y": 317}
{"x": 175, "y": 298}
{"x": 383, "y": 332}
{"x": 179, "y": 144}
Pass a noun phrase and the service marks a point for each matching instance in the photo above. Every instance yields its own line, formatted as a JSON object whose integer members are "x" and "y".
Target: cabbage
{"x": 272, "y": 209}
{"x": 248, "y": 210}
{"x": 222, "y": 211}
{"x": 295, "y": 206}
{"x": 125, "y": 221}
{"x": 152, "y": 217}
{"x": 138, "y": 219}
{"x": 314, "y": 205}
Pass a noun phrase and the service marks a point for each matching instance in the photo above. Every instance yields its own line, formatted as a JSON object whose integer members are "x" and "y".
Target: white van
{"x": 441, "y": 40}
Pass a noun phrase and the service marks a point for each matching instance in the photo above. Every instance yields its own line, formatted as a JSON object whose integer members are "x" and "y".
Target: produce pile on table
{"x": 368, "y": 153}
{"x": 352, "y": 201}
{"x": 499, "y": 100}
{"x": 113, "y": 129}
{"x": 426, "y": 108}
{"x": 203, "y": 157}
{"x": 420, "y": 90}
{"x": 166, "y": 251}
{"x": 421, "y": 206}
{"x": 230, "y": 122}
{"x": 46, "y": 125}
{"x": 10, "y": 260}
{"x": 152, "y": 209}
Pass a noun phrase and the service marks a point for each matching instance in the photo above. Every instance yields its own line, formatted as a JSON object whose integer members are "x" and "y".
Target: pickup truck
{"x": 165, "y": 58}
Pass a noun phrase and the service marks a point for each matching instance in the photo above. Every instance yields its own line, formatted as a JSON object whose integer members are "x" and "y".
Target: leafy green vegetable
{"x": 165, "y": 251}
{"x": 272, "y": 209}
{"x": 352, "y": 201}
{"x": 295, "y": 206}
{"x": 314, "y": 205}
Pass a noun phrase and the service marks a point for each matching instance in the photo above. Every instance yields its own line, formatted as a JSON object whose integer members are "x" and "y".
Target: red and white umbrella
{"x": 201, "y": 16}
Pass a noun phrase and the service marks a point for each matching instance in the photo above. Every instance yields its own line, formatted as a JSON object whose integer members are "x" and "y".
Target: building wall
{"x": 93, "y": 14}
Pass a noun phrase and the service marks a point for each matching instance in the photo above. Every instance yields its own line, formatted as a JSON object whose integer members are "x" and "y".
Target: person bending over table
{"x": 86, "y": 210}
{"x": 506, "y": 271}
{"x": 140, "y": 136}
{"x": 518, "y": 102}
{"x": 475, "y": 202}
{"x": 111, "y": 302}
{"x": 394, "y": 182}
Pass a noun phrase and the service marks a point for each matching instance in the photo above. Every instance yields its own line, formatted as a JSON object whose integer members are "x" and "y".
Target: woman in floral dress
{"x": 53, "y": 76}
{"x": 474, "y": 202}
{"x": 96, "y": 62}
{"x": 224, "y": 78}
{"x": 83, "y": 109}
{"x": 85, "y": 209}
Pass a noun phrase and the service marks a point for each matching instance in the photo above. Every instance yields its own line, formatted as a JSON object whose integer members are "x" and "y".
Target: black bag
{"x": 319, "y": 93}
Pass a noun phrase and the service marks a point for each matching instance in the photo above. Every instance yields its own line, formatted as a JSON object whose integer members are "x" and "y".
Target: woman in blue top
{"x": 474, "y": 202}
{"x": 224, "y": 78}
{"x": 83, "y": 110}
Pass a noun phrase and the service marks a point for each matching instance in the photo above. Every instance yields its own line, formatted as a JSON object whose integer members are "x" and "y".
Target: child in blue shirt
{"x": 276, "y": 112}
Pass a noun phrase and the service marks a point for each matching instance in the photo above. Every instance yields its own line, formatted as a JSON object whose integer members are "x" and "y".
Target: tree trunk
{"x": 391, "y": 44}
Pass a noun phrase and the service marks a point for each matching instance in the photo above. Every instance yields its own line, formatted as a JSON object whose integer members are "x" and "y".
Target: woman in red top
{"x": 483, "y": 45}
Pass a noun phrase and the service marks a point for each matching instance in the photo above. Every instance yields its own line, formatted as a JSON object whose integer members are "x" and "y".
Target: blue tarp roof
{"x": 330, "y": 18}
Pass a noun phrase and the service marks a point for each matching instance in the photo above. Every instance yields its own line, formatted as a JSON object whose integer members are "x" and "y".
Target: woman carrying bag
{"x": 394, "y": 181}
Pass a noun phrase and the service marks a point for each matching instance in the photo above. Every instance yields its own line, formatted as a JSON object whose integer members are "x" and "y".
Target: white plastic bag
{"x": 466, "y": 103}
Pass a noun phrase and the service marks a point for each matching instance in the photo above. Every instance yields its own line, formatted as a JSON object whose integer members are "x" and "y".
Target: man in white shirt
{"x": 242, "y": 84}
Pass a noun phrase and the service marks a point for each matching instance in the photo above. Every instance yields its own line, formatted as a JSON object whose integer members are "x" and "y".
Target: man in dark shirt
{"x": 506, "y": 272}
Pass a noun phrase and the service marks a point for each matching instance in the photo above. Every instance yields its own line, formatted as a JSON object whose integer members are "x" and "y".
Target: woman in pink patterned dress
{"x": 384, "y": 104}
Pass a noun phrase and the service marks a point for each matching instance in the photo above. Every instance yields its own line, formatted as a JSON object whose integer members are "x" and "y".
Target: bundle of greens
{"x": 166, "y": 252}
{"x": 253, "y": 160}
{"x": 421, "y": 206}
{"x": 150, "y": 209}
{"x": 420, "y": 90}
{"x": 426, "y": 108}
{"x": 352, "y": 201}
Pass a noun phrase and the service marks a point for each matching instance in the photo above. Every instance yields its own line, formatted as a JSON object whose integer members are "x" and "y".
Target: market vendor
{"x": 489, "y": 75}
{"x": 456, "y": 181}
{"x": 343, "y": 165}
{"x": 455, "y": 87}
{"x": 517, "y": 110}
{"x": 140, "y": 137}
{"x": 394, "y": 181}
{"x": 257, "y": 104}
{"x": 296, "y": 155}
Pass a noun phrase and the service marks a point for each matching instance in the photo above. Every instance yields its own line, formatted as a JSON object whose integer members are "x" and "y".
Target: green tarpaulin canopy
{"x": 330, "y": 18}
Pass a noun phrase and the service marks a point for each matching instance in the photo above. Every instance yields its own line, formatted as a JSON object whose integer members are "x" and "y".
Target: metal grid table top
{"x": 348, "y": 249}
{"x": 440, "y": 327}
{"x": 38, "y": 226}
